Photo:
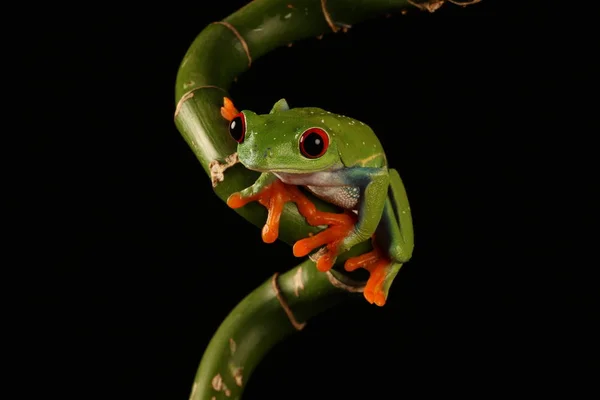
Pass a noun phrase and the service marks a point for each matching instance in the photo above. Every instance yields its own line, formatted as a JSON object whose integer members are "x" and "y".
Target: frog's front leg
{"x": 374, "y": 183}
{"x": 251, "y": 193}
{"x": 272, "y": 194}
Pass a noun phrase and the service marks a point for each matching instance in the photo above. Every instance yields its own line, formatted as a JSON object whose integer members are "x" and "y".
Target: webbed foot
{"x": 340, "y": 226}
{"x": 382, "y": 271}
{"x": 273, "y": 197}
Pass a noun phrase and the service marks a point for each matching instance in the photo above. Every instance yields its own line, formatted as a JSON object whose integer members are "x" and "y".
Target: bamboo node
{"x": 327, "y": 16}
{"x": 190, "y": 94}
{"x": 240, "y": 38}
{"x": 299, "y": 326}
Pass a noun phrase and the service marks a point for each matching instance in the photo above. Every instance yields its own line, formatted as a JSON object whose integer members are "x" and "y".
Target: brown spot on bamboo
{"x": 298, "y": 282}
{"x": 240, "y": 38}
{"x": 237, "y": 376}
{"x": 232, "y": 346}
{"x": 217, "y": 382}
{"x": 217, "y": 169}
{"x": 284, "y": 305}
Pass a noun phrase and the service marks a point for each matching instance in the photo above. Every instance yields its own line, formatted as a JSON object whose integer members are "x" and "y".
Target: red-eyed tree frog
{"x": 339, "y": 160}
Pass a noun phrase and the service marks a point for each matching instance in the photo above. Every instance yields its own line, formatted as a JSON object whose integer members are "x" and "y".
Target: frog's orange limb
{"x": 278, "y": 196}
{"x": 273, "y": 197}
{"x": 377, "y": 265}
{"x": 228, "y": 111}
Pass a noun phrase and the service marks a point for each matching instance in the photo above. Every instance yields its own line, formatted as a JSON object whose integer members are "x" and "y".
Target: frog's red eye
{"x": 237, "y": 128}
{"x": 314, "y": 143}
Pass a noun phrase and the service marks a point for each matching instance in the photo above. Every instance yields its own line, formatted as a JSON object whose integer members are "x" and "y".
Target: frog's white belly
{"x": 342, "y": 196}
{"x": 326, "y": 185}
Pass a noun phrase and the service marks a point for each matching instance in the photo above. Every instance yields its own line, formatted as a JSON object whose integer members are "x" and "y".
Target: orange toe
{"x": 330, "y": 235}
{"x": 362, "y": 261}
{"x": 374, "y": 288}
{"x": 277, "y": 199}
{"x": 236, "y": 201}
{"x": 326, "y": 261}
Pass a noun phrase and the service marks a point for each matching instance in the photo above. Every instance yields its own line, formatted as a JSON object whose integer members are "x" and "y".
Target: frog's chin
{"x": 289, "y": 171}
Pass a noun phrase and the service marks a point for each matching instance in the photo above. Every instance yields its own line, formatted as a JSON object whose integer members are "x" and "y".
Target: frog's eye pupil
{"x": 237, "y": 128}
{"x": 314, "y": 143}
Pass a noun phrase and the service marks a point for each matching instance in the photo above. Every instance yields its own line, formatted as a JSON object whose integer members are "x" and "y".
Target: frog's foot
{"x": 379, "y": 267}
{"x": 340, "y": 225}
{"x": 228, "y": 111}
{"x": 273, "y": 197}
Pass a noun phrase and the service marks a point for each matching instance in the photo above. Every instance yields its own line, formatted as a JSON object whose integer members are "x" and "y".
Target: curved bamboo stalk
{"x": 220, "y": 53}
{"x": 276, "y": 309}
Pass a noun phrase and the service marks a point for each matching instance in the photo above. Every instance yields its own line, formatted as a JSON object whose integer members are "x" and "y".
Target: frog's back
{"x": 357, "y": 143}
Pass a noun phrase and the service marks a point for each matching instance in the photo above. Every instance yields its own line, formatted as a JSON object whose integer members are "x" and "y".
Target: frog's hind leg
{"x": 392, "y": 247}
{"x": 382, "y": 271}
{"x": 398, "y": 220}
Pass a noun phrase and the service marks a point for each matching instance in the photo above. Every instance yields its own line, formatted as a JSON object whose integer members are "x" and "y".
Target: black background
{"x": 136, "y": 262}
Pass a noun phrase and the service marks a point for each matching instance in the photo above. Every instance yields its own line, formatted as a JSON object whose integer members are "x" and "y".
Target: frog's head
{"x": 285, "y": 140}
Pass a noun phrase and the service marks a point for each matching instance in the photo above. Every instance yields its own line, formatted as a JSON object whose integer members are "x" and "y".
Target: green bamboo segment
{"x": 249, "y": 331}
{"x": 218, "y": 54}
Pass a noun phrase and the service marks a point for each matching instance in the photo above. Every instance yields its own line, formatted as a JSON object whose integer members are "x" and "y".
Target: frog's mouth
{"x": 296, "y": 171}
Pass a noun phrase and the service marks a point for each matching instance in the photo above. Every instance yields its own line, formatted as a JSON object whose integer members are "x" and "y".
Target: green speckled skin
{"x": 271, "y": 142}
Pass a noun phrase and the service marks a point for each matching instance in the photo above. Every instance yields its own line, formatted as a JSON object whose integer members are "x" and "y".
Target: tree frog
{"x": 339, "y": 160}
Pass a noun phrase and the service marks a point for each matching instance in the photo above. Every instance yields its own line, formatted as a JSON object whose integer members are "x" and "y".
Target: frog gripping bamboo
{"x": 318, "y": 150}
